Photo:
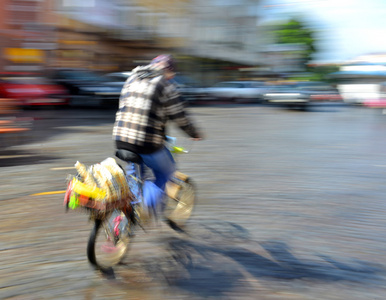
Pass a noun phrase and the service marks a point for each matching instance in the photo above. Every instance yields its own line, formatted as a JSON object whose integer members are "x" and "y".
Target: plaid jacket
{"x": 146, "y": 103}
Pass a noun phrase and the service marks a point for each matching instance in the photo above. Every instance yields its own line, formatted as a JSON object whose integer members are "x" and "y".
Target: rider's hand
{"x": 198, "y": 137}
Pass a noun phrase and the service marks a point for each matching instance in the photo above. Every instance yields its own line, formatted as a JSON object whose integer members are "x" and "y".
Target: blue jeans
{"x": 163, "y": 166}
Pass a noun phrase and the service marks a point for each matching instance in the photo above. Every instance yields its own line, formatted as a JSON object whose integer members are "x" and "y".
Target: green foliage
{"x": 317, "y": 73}
{"x": 295, "y": 32}
{"x": 322, "y": 72}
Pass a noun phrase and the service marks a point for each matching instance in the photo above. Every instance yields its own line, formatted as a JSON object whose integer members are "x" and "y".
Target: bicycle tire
{"x": 105, "y": 248}
{"x": 180, "y": 208}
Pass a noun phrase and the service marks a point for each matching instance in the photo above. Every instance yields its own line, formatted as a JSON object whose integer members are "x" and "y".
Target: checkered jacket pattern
{"x": 147, "y": 102}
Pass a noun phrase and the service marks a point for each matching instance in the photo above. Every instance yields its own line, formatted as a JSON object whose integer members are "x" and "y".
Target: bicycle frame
{"x": 114, "y": 222}
{"x": 136, "y": 172}
{"x": 135, "y": 175}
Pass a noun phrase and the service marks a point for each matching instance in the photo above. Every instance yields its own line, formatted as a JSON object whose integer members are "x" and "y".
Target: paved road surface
{"x": 291, "y": 206}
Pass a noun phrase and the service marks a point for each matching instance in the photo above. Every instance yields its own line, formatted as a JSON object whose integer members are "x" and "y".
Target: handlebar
{"x": 173, "y": 148}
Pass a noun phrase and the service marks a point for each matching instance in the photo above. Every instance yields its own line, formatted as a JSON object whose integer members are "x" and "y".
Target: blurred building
{"x": 223, "y": 37}
{"x": 216, "y": 38}
{"x": 24, "y": 39}
{"x": 283, "y": 58}
{"x": 42, "y": 34}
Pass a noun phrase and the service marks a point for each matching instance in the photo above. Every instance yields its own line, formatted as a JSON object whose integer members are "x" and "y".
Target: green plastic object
{"x": 74, "y": 202}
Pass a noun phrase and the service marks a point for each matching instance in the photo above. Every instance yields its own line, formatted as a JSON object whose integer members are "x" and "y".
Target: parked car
{"x": 87, "y": 88}
{"x": 359, "y": 82}
{"x": 29, "y": 91}
{"x": 320, "y": 91}
{"x": 301, "y": 94}
{"x": 14, "y": 129}
{"x": 118, "y": 78}
{"x": 379, "y": 101}
{"x": 190, "y": 90}
{"x": 237, "y": 91}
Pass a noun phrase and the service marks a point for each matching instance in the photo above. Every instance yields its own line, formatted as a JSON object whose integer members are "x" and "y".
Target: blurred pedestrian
{"x": 148, "y": 101}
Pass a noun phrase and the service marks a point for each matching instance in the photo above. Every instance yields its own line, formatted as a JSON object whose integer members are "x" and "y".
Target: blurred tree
{"x": 322, "y": 72}
{"x": 295, "y": 32}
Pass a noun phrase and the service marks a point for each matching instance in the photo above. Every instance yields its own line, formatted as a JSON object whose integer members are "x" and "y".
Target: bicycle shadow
{"x": 213, "y": 269}
{"x": 211, "y": 261}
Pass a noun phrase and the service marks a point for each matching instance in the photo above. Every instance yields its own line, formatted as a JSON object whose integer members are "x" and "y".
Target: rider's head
{"x": 166, "y": 63}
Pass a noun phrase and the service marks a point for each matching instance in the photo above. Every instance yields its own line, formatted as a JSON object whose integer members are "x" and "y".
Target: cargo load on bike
{"x": 101, "y": 186}
{"x": 114, "y": 198}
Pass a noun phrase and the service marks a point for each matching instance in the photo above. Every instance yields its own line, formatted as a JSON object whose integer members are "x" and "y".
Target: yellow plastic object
{"x": 178, "y": 150}
{"x": 88, "y": 191}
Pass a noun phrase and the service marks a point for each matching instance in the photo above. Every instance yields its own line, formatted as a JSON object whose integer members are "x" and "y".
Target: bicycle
{"x": 116, "y": 222}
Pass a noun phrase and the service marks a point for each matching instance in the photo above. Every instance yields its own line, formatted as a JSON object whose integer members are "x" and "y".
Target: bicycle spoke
{"x": 109, "y": 240}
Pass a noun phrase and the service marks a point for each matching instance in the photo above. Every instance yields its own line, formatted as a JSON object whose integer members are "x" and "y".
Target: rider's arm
{"x": 175, "y": 110}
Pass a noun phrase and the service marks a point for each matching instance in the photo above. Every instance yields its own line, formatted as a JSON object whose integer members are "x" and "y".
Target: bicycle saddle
{"x": 128, "y": 156}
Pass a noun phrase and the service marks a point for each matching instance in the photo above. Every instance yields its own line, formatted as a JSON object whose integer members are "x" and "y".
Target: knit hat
{"x": 164, "y": 61}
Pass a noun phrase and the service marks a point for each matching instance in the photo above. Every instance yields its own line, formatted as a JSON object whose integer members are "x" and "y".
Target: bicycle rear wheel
{"x": 109, "y": 240}
{"x": 180, "y": 202}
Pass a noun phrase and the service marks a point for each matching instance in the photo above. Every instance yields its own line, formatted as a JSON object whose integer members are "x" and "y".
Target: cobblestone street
{"x": 290, "y": 206}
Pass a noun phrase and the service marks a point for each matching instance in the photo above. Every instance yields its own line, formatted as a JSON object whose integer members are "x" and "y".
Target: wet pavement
{"x": 290, "y": 206}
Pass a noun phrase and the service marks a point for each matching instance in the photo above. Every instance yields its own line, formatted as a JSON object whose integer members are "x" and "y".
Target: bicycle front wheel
{"x": 180, "y": 202}
{"x": 109, "y": 240}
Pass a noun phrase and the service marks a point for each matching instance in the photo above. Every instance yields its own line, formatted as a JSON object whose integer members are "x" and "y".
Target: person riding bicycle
{"x": 147, "y": 102}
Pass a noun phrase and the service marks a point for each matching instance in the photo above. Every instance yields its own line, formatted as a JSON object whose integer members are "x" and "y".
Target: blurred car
{"x": 190, "y": 90}
{"x": 14, "y": 129}
{"x": 320, "y": 91}
{"x": 32, "y": 91}
{"x": 360, "y": 82}
{"x": 379, "y": 101}
{"x": 237, "y": 91}
{"x": 301, "y": 94}
{"x": 118, "y": 78}
{"x": 87, "y": 88}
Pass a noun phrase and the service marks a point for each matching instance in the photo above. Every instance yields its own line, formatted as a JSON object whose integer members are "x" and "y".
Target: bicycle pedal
{"x": 172, "y": 189}
{"x": 173, "y": 225}
{"x": 179, "y": 176}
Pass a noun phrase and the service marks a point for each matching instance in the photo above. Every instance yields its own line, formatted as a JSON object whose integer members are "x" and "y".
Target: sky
{"x": 344, "y": 29}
